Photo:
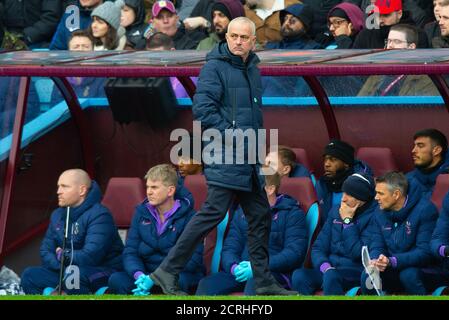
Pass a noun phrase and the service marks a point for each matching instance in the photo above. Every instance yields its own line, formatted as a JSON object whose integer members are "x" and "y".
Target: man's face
{"x": 80, "y": 44}
{"x": 385, "y": 197}
{"x": 158, "y": 193}
{"x": 398, "y": 40}
{"x": 187, "y": 167}
{"x": 240, "y": 39}
{"x": 332, "y": 165}
{"x": 70, "y": 192}
{"x": 90, "y": 3}
{"x": 166, "y": 22}
{"x": 220, "y": 22}
{"x": 444, "y": 21}
{"x": 350, "y": 201}
{"x": 291, "y": 27}
{"x": 423, "y": 152}
{"x": 391, "y": 18}
{"x": 99, "y": 28}
{"x": 128, "y": 16}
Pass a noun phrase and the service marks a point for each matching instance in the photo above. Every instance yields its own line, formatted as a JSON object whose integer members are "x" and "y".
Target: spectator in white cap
{"x": 105, "y": 27}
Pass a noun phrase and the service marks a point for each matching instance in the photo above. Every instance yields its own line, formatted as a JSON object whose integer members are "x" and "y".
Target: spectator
{"x": 105, "y": 27}
{"x": 442, "y": 41}
{"x": 336, "y": 253}
{"x": 295, "y": 23}
{"x": 287, "y": 249}
{"x": 32, "y": 22}
{"x": 157, "y": 224}
{"x": 223, "y": 11}
{"x": 265, "y": 15}
{"x": 401, "y": 36}
{"x": 72, "y": 20}
{"x": 94, "y": 245}
{"x": 403, "y": 226}
{"x": 345, "y": 21}
{"x": 430, "y": 157}
{"x": 133, "y": 20}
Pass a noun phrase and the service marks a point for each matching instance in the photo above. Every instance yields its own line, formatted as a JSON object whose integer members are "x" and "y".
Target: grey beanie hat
{"x": 110, "y": 12}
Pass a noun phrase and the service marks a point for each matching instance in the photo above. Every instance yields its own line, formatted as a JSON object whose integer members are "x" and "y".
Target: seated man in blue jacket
{"x": 336, "y": 253}
{"x": 403, "y": 227}
{"x": 284, "y": 162}
{"x": 93, "y": 245}
{"x": 287, "y": 246}
{"x": 339, "y": 163}
{"x": 430, "y": 157}
{"x": 157, "y": 224}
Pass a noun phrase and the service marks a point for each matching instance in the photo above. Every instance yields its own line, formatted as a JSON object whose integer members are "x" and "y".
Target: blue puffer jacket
{"x": 405, "y": 234}
{"x": 325, "y": 194}
{"x": 427, "y": 180}
{"x": 67, "y": 25}
{"x": 288, "y": 238}
{"x": 299, "y": 171}
{"x": 94, "y": 236}
{"x": 229, "y": 96}
{"x": 440, "y": 236}
{"x": 145, "y": 249}
{"x": 342, "y": 247}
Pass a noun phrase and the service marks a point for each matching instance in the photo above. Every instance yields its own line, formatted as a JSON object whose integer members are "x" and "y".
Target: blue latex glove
{"x": 139, "y": 292}
{"x": 243, "y": 271}
{"x": 144, "y": 283}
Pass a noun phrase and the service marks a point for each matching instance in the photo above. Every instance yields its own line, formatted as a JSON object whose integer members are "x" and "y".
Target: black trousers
{"x": 257, "y": 212}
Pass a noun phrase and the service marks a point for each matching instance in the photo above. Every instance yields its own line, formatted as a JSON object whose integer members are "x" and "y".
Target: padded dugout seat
{"x": 381, "y": 160}
{"x": 121, "y": 197}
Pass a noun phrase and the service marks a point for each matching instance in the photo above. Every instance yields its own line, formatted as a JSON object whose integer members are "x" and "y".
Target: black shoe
{"x": 167, "y": 281}
{"x": 275, "y": 290}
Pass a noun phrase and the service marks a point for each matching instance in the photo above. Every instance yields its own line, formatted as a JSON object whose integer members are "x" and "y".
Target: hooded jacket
{"x": 94, "y": 236}
{"x": 405, "y": 234}
{"x": 427, "y": 179}
{"x": 145, "y": 249}
{"x": 135, "y": 31}
{"x": 288, "y": 238}
{"x": 440, "y": 236}
{"x": 229, "y": 96}
{"x": 355, "y": 16}
{"x": 342, "y": 246}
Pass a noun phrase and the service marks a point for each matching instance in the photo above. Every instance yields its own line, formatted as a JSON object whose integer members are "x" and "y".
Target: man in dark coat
{"x": 430, "y": 157}
{"x": 33, "y": 21}
{"x": 399, "y": 248}
{"x": 228, "y": 97}
{"x": 93, "y": 245}
{"x": 336, "y": 253}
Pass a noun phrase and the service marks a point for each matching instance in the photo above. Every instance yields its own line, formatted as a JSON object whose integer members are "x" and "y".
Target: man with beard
{"x": 295, "y": 22}
{"x": 430, "y": 159}
{"x": 223, "y": 11}
{"x": 73, "y": 19}
{"x": 339, "y": 163}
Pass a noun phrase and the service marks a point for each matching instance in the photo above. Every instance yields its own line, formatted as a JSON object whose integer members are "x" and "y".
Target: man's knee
{"x": 120, "y": 283}
{"x": 409, "y": 275}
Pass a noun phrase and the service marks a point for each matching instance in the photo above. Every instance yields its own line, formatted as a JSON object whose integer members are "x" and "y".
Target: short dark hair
{"x": 437, "y": 137}
{"x": 81, "y": 33}
{"x": 394, "y": 180}
{"x": 410, "y": 31}
{"x": 160, "y": 39}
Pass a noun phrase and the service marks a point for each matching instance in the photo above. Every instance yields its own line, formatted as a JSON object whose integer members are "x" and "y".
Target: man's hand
{"x": 382, "y": 263}
{"x": 344, "y": 29}
{"x": 195, "y": 22}
{"x": 346, "y": 211}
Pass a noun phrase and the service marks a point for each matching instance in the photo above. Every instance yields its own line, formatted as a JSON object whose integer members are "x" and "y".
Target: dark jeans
{"x": 257, "y": 211}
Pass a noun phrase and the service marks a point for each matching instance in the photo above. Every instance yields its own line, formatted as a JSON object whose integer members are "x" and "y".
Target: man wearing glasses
{"x": 401, "y": 36}
{"x": 228, "y": 97}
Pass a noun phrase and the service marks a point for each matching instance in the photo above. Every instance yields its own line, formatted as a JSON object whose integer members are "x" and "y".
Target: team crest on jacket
{"x": 408, "y": 227}
{"x": 76, "y": 228}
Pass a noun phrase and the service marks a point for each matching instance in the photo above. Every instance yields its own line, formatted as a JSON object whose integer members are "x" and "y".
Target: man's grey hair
{"x": 394, "y": 181}
{"x": 244, "y": 20}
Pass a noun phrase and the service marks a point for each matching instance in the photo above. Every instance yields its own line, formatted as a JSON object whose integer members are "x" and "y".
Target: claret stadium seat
{"x": 381, "y": 160}
{"x": 121, "y": 197}
{"x": 302, "y": 158}
{"x": 440, "y": 190}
